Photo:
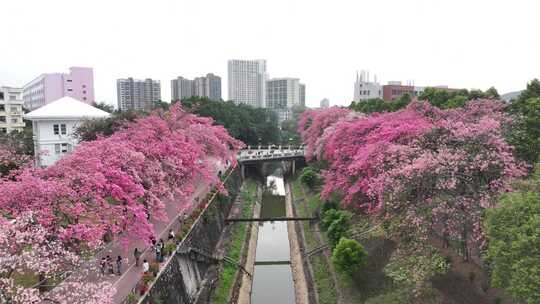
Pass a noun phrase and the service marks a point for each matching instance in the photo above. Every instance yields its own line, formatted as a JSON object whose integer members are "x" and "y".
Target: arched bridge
{"x": 254, "y": 154}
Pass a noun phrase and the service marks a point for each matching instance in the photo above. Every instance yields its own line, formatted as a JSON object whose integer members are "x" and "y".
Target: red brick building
{"x": 394, "y": 90}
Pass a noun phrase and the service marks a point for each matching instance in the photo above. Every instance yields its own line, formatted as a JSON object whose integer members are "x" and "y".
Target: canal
{"x": 272, "y": 279}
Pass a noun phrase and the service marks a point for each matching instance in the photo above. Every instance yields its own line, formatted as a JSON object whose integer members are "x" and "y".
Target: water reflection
{"x": 273, "y": 283}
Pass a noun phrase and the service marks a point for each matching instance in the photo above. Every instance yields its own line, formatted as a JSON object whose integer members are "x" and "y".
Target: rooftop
{"x": 66, "y": 108}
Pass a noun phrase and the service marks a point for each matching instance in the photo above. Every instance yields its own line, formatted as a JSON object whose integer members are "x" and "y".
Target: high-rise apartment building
{"x": 181, "y": 88}
{"x": 134, "y": 94}
{"x": 365, "y": 89}
{"x": 78, "y": 84}
{"x": 213, "y": 87}
{"x": 247, "y": 82}
{"x": 303, "y": 95}
{"x": 207, "y": 86}
{"x": 282, "y": 94}
{"x": 11, "y": 109}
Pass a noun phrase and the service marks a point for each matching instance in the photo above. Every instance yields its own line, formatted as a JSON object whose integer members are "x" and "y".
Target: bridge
{"x": 254, "y": 154}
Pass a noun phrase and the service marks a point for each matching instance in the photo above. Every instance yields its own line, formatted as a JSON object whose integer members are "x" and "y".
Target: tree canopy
{"x": 513, "y": 232}
{"x": 251, "y": 125}
{"x": 421, "y": 164}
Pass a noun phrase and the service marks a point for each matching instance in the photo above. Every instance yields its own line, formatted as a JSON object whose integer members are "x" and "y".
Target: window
{"x": 2, "y": 107}
{"x": 65, "y": 148}
{"x": 70, "y": 90}
{"x": 84, "y": 92}
{"x": 56, "y": 129}
{"x": 1, "y": 95}
{"x": 14, "y": 120}
{"x": 84, "y": 98}
{"x": 12, "y": 97}
{"x": 84, "y": 86}
{"x": 63, "y": 129}
{"x": 2, "y": 119}
{"x": 3, "y": 130}
{"x": 62, "y": 148}
{"x": 14, "y": 110}
{"x": 69, "y": 80}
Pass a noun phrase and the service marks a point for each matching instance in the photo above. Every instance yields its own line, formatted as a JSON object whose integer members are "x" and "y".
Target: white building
{"x": 247, "y": 82}
{"x": 11, "y": 109}
{"x": 365, "y": 89}
{"x": 325, "y": 103}
{"x": 53, "y": 126}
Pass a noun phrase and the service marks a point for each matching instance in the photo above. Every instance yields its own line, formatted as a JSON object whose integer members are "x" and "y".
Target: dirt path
{"x": 297, "y": 267}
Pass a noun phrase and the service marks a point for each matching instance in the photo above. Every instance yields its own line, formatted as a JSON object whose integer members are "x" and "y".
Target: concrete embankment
{"x": 297, "y": 266}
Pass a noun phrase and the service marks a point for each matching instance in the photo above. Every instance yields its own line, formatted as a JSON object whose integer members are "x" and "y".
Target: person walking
{"x": 119, "y": 265}
{"x": 171, "y": 235}
{"x": 137, "y": 255}
{"x": 110, "y": 265}
{"x": 161, "y": 246}
{"x": 145, "y": 266}
{"x": 103, "y": 265}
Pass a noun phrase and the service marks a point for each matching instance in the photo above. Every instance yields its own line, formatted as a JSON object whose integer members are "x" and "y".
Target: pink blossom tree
{"x": 436, "y": 170}
{"x": 28, "y": 249}
{"x": 111, "y": 185}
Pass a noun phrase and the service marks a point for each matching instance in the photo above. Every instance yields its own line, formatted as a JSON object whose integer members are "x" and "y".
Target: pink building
{"x": 78, "y": 83}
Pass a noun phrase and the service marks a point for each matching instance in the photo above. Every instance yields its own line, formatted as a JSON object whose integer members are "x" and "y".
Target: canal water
{"x": 272, "y": 279}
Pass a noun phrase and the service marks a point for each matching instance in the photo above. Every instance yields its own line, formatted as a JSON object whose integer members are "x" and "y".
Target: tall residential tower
{"x": 134, "y": 94}
{"x": 207, "y": 86}
{"x": 247, "y": 82}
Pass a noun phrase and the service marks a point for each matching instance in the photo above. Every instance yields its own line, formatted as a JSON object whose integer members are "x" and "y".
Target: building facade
{"x": 303, "y": 95}
{"x": 134, "y": 94}
{"x": 325, "y": 103}
{"x": 181, "y": 88}
{"x": 282, "y": 93}
{"x": 365, "y": 89}
{"x": 247, "y": 82}
{"x": 53, "y": 126}
{"x": 207, "y": 86}
{"x": 78, "y": 84}
{"x": 394, "y": 89}
{"x": 11, "y": 109}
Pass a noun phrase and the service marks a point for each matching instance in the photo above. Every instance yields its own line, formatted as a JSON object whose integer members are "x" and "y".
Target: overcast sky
{"x": 459, "y": 43}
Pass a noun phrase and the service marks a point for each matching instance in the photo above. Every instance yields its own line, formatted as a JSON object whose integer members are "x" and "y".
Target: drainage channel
{"x": 272, "y": 278}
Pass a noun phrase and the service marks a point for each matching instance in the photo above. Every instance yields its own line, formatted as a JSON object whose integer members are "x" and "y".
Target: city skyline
{"x": 477, "y": 58}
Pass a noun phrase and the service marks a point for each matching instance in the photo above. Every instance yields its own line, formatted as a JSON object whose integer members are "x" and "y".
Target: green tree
{"x": 513, "y": 232}
{"x": 532, "y": 90}
{"x": 251, "y": 125}
{"x": 349, "y": 256}
{"x": 525, "y": 134}
{"x": 104, "y": 106}
{"x": 339, "y": 222}
{"x": 309, "y": 177}
{"x": 91, "y": 129}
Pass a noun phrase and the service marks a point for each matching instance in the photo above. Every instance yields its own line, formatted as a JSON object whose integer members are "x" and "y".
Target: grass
{"x": 321, "y": 273}
{"x": 227, "y": 275}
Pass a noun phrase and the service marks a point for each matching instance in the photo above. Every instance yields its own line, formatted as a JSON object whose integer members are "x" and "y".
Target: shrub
{"x": 349, "y": 256}
{"x": 309, "y": 177}
{"x": 169, "y": 248}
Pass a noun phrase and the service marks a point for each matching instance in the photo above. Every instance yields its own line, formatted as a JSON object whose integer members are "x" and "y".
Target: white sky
{"x": 459, "y": 43}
